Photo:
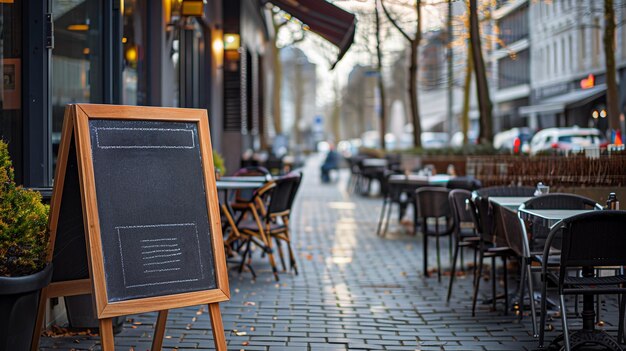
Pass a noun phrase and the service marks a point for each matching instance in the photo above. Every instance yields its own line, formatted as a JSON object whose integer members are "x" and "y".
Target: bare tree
{"x": 279, "y": 22}
{"x": 382, "y": 113}
{"x": 484, "y": 101}
{"x": 612, "y": 97}
{"x": 414, "y": 42}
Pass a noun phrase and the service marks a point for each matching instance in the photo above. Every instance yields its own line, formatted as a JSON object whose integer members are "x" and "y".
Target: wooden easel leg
{"x": 106, "y": 334}
{"x": 41, "y": 314}
{"x": 159, "y": 331}
{"x": 217, "y": 326}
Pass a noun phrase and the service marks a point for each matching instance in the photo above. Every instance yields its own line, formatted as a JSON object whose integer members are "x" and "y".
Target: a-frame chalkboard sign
{"x": 134, "y": 217}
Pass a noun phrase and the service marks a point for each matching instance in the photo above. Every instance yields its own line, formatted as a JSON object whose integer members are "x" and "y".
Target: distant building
{"x": 298, "y": 95}
{"x": 567, "y": 62}
{"x": 510, "y": 59}
{"x": 359, "y": 113}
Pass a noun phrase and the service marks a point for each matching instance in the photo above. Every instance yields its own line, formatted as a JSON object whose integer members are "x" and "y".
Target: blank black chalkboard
{"x": 152, "y": 208}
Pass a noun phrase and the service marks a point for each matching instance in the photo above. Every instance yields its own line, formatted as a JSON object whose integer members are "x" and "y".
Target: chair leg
{"x": 506, "y": 287}
{"x": 438, "y": 250}
{"x": 388, "y": 219}
{"x": 493, "y": 283}
{"x": 280, "y": 253}
{"x": 292, "y": 258}
{"x": 531, "y": 296}
{"x": 477, "y": 282}
{"x": 245, "y": 254}
{"x": 382, "y": 218}
{"x": 424, "y": 232}
{"x": 462, "y": 261}
{"x": 453, "y": 273}
{"x": 620, "y": 328}
{"x": 522, "y": 285}
{"x": 542, "y": 324}
{"x": 564, "y": 319}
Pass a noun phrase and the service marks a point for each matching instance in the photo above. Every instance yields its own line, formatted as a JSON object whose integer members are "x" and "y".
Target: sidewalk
{"x": 355, "y": 291}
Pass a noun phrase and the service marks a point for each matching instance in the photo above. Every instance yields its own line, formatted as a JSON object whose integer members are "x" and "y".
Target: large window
{"x": 514, "y": 26}
{"x": 76, "y": 58}
{"x": 514, "y": 71}
{"x": 134, "y": 42}
{"x": 10, "y": 92}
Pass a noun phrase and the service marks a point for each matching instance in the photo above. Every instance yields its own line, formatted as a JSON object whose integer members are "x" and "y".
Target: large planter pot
{"x": 80, "y": 314}
{"x": 19, "y": 302}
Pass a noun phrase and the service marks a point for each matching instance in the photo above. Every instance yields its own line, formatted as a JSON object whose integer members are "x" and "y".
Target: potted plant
{"x": 23, "y": 248}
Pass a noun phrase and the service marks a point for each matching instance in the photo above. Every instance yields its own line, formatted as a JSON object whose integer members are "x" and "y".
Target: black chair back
{"x": 560, "y": 201}
{"x": 295, "y": 188}
{"x": 506, "y": 191}
{"x": 596, "y": 238}
{"x": 467, "y": 183}
{"x": 459, "y": 206}
{"x": 513, "y": 231}
{"x": 280, "y": 200}
{"x": 432, "y": 202}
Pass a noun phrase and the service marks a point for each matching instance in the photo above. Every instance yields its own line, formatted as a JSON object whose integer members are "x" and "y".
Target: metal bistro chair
{"x": 432, "y": 202}
{"x": 588, "y": 240}
{"x": 535, "y": 242}
{"x": 466, "y": 183}
{"x": 492, "y": 245}
{"x": 274, "y": 224}
{"x": 464, "y": 230}
{"x": 517, "y": 241}
{"x": 395, "y": 192}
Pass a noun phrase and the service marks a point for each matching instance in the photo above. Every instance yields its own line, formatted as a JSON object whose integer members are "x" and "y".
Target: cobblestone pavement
{"x": 355, "y": 291}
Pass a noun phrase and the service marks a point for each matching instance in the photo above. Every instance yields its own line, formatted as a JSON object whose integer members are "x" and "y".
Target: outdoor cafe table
{"x": 510, "y": 202}
{"x": 244, "y": 179}
{"x": 547, "y": 219}
{"x": 439, "y": 179}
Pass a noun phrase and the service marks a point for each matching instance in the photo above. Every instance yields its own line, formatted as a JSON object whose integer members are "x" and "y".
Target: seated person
{"x": 331, "y": 162}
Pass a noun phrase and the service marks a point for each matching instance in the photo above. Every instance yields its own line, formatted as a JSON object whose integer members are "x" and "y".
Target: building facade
{"x": 568, "y": 63}
{"x": 510, "y": 61}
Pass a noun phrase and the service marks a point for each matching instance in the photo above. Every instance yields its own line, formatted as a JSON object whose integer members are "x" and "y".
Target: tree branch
{"x": 394, "y": 23}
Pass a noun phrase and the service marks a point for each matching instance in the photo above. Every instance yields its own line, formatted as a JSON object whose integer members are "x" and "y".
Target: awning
{"x": 327, "y": 20}
{"x": 570, "y": 100}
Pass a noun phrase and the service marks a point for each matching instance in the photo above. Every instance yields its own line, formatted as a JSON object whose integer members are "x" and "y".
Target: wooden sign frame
{"x": 76, "y": 124}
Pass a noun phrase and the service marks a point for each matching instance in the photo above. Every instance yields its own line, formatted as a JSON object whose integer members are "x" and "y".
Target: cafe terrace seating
{"x": 464, "y": 230}
{"x": 277, "y": 197}
{"x": 534, "y": 238}
{"x": 432, "y": 202}
{"x": 588, "y": 240}
{"x": 492, "y": 245}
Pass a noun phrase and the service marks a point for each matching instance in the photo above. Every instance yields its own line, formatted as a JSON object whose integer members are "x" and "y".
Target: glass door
{"x": 77, "y": 59}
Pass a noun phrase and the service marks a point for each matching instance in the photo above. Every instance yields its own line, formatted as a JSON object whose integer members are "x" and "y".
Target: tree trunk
{"x": 276, "y": 88}
{"x": 466, "y": 94}
{"x": 612, "y": 97}
{"x": 413, "y": 75}
{"x": 484, "y": 101}
{"x": 413, "y": 98}
{"x": 381, "y": 86}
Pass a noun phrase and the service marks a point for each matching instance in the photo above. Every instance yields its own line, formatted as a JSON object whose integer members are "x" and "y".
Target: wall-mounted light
{"x": 232, "y": 41}
{"x": 194, "y": 8}
{"x": 131, "y": 54}
{"x": 79, "y": 27}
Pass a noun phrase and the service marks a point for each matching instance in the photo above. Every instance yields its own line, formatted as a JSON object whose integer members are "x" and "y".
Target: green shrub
{"x": 23, "y": 224}
{"x": 218, "y": 163}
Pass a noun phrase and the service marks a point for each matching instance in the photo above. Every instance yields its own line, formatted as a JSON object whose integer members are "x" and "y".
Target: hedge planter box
{"x": 19, "y": 301}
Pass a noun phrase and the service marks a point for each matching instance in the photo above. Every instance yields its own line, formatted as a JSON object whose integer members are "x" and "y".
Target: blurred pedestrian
{"x": 330, "y": 163}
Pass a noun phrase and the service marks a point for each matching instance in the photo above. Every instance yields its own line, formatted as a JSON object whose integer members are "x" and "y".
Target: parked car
{"x": 515, "y": 140}
{"x": 566, "y": 139}
{"x": 457, "y": 138}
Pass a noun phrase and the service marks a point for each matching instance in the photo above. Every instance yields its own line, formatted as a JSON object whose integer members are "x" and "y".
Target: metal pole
{"x": 450, "y": 70}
